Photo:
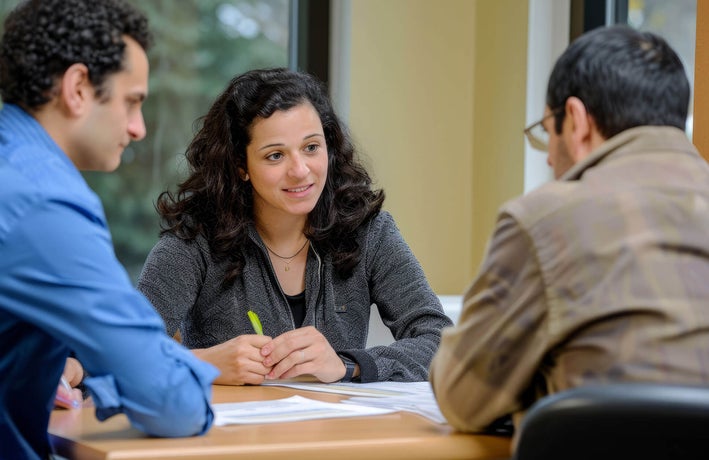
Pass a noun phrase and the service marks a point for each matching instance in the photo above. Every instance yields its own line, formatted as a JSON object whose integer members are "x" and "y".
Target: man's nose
{"x": 136, "y": 127}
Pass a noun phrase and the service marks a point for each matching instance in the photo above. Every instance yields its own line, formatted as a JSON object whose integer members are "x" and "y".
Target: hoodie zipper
{"x": 274, "y": 279}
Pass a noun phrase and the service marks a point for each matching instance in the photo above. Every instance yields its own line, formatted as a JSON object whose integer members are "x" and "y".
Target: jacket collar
{"x": 642, "y": 139}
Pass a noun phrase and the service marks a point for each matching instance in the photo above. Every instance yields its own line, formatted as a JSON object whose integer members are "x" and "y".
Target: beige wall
{"x": 437, "y": 107}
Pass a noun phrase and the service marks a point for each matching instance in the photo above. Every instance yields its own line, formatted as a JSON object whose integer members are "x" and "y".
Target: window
{"x": 553, "y": 24}
{"x": 198, "y": 48}
{"x": 675, "y": 21}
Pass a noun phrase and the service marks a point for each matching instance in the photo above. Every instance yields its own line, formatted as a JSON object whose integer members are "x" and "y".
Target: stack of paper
{"x": 421, "y": 402}
{"x": 414, "y": 397}
{"x": 287, "y": 410}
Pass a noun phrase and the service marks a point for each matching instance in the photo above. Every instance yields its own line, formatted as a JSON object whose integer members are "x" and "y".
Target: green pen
{"x": 255, "y": 322}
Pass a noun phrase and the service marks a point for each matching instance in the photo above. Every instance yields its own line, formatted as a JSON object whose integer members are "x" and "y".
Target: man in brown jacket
{"x": 602, "y": 275}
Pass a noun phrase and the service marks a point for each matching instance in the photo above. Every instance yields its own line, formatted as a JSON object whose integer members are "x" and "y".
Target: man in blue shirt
{"x": 73, "y": 77}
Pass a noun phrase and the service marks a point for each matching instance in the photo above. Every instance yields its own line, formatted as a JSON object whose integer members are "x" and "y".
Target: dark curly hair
{"x": 214, "y": 201}
{"x": 43, "y": 38}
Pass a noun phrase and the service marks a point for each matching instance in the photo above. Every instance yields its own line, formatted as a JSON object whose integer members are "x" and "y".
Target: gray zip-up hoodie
{"x": 184, "y": 284}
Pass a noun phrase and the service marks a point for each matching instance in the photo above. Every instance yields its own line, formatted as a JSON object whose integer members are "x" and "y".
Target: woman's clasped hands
{"x": 303, "y": 351}
{"x": 250, "y": 359}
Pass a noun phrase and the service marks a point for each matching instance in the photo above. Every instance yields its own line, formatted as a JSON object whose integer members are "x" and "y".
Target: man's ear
{"x": 582, "y": 129}
{"x": 75, "y": 89}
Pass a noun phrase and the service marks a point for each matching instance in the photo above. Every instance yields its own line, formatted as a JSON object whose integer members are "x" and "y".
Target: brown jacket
{"x": 600, "y": 276}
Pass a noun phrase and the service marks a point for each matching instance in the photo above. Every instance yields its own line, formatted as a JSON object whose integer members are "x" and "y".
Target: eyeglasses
{"x": 537, "y": 135}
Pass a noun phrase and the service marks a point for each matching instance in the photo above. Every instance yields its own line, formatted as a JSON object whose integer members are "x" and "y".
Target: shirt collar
{"x": 16, "y": 124}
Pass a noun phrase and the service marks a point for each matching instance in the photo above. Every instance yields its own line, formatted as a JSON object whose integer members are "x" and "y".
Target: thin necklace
{"x": 287, "y": 259}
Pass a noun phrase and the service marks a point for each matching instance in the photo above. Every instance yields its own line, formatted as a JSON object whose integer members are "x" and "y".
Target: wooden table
{"x": 76, "y": 434}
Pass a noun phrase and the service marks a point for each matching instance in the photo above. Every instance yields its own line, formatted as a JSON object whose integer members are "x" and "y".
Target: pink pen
{"x": 72, "y": 402}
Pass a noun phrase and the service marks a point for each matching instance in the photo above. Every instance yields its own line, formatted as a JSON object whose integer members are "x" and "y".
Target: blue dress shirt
{"x": 63, "y": 290}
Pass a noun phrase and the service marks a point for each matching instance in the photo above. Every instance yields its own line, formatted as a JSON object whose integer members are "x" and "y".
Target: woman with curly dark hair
{"x": 278, "y": 216}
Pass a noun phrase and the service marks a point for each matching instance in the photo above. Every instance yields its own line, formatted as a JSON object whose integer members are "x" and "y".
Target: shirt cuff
{"x": 105, "y": 395}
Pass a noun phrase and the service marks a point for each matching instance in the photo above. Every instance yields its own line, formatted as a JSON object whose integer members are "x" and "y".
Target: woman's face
{"x": 287, "y": 163}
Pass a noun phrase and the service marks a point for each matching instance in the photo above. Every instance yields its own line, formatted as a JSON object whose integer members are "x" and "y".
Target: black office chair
{"x": 618, "y": 421}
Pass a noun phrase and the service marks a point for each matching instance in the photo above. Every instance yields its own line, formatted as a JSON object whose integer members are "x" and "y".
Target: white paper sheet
{"x": 426, "y": 407}
{"x": 374, "y": 389}
{"x": 290, "y": 409}
{"x": 416, "y": 397}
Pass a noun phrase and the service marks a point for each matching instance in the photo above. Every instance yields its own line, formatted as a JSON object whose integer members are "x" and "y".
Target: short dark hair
{"x": 624, "y": 77}
{"x": 215, "y": 202}
{"x": 43, "y": 38}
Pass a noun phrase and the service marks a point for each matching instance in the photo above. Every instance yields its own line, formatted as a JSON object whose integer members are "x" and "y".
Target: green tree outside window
{"x": 199, "y": 46}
